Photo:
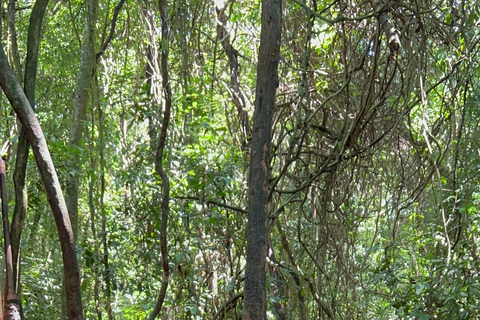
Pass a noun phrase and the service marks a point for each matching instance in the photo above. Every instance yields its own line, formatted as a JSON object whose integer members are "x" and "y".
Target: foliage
{"x": 375, "y": 167}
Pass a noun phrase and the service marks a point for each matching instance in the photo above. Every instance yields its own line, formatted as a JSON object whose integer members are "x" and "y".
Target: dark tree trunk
{"x": 159, "y": 158}
{"x": 105, "y": 254}
{"x": 267, "y": 83}
{"x": 35, "y": 136}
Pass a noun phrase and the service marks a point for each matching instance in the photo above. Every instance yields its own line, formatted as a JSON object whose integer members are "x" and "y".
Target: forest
{"x": 233, "y": 159}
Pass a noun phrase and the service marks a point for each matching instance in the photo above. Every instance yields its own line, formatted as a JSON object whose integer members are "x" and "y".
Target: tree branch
{"x": 227, "y": 306}
{"x": 107, "y": 41}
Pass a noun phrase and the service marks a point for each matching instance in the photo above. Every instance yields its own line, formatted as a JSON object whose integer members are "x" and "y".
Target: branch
{"x": 107, "y": 41}
{"x": 341, "y": 18}
{"x": 215, "y": 203}
{"x": 393, "y": 38}
{"x": 227, "y": 306}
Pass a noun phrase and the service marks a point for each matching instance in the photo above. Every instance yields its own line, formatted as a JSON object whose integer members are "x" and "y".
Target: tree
{"x": 258, "y": 180}
{"x": 23, "y": 147}
{"x": 34, "y": 134}
{"x": 159, "y": 167}
{"x": 83, "y": 88}
{"x": 358, "y": 178}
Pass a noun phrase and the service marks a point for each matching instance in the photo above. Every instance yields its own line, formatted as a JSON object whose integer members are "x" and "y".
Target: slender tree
{"x": 267, "y": 84}
{"x": 35, "y": 136}
{"x": 23, "y": 147}
{"x": 83, "y": 87}
{"x": 159, "y": 168}
{"x": 11, "y": 303}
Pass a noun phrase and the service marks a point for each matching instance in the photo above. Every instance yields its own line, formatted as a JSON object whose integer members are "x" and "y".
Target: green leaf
{"x": 448, "y": 19}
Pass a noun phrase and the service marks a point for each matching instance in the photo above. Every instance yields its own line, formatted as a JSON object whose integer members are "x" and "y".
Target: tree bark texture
{"x": 267, "y": 84}
{"x": 19, "y": 175}
{"x": 35, "y": 136}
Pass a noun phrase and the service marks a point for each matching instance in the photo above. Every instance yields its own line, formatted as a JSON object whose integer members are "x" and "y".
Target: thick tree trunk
{"x": 34, "y": 134}
{"x": 267, "y": 83}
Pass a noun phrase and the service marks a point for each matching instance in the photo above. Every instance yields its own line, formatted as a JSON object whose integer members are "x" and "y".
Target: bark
{"x": 82, "y": 90}
{"x": 96, "y": 253}
{"x": 95, "y": 256}
{"x": 87, "y": 65}
{"x": 11, "y": 303}
{"x": 267, "y": 83}
{"x": 152, "y": 72}
{"x": 34, "y": 134}
{"x": 159, "y": 158}
{"x": 19, "y": 175}
{"x": 393, "y": 36}
{"x": 84, "y": 79}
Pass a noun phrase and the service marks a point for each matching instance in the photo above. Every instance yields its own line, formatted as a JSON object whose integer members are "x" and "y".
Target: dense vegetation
{"x": 147, "y": 109}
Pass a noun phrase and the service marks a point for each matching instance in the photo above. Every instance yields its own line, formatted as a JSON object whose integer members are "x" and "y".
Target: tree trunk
{"x": 11, "y": 303}
{"x": 12, "y": 34}
{"x": 35, "y": 136}
{"x": 19, "y": 175}
{"x": 84, "y": 80}
{"x": 82, "y": 90}
{"x": 159, "y": 158}
{"x": 106, "y": 264}
{"x": 267, "y": 83}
